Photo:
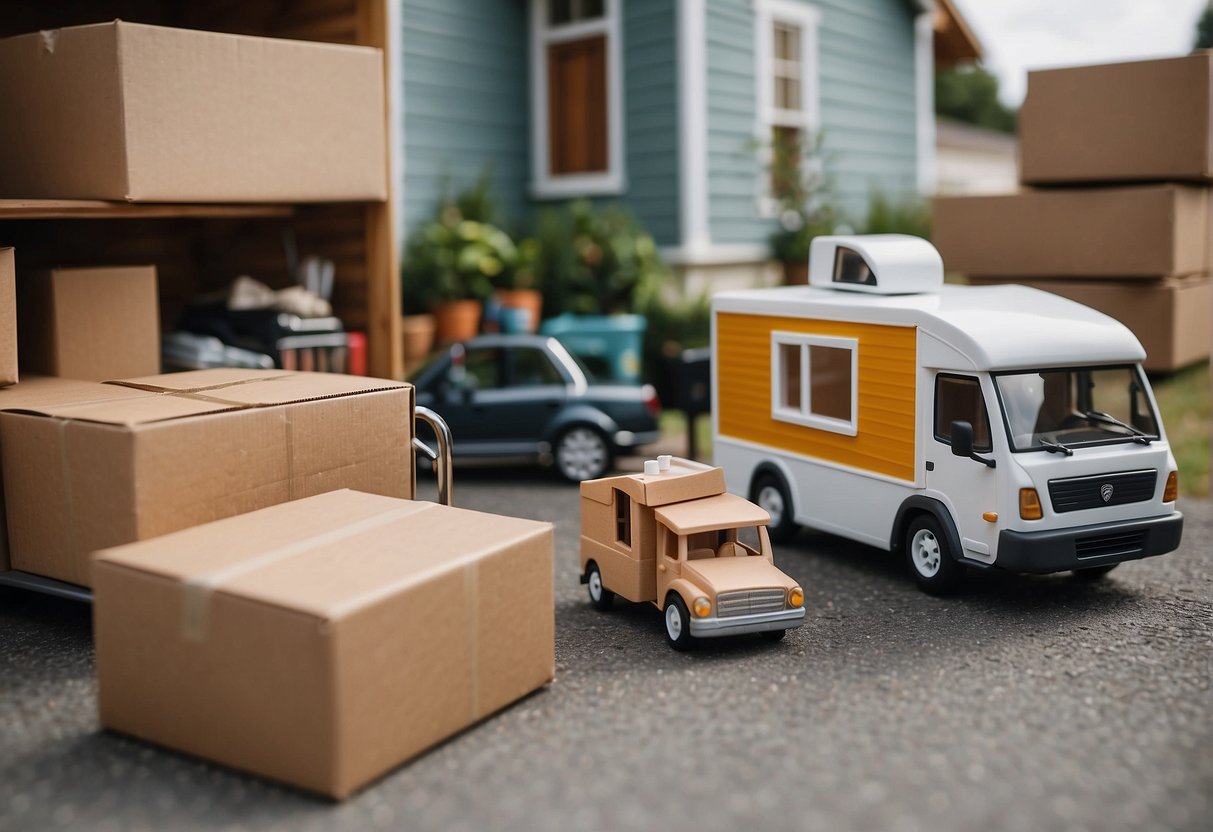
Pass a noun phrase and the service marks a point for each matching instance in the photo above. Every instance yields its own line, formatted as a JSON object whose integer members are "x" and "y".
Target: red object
{"x": 356, "y": 363}
{"x": 651, "y": 402}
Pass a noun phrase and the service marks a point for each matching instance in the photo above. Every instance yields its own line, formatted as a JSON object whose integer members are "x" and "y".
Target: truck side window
{"x": 814, "y": 381}
{"x": 623, "y": 518}
{"x": 959, "y": 398}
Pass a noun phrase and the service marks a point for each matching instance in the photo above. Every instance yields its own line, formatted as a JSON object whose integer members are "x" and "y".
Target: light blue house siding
{"x": 867, "y": 109}
{"x": 466, "y": 106}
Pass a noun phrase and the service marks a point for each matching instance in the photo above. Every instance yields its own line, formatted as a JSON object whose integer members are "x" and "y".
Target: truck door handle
{"x": 661, "y": 567}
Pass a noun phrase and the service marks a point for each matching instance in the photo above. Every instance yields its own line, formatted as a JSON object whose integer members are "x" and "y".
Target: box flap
{"x": 37, "y": 392}
{"x": 325, "y": 556}
{"x": 261, "y": 387}
{"x": 132, "y": 410}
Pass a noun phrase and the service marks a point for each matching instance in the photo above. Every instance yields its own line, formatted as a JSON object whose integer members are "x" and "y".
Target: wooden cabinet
{"x": 198, "y": 248}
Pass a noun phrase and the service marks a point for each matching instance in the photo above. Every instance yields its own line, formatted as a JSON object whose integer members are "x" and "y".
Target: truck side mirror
{"x": 962, "y": 438}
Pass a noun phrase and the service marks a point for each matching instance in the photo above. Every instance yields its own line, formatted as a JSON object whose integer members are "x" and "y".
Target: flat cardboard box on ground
{"x": 8, "y": 318}
{"x": 323, "y": 642}
{"x": 177, "y": 450}
{"x": 1172, "y": 318}
{"x": 90, "y": 324}
{"x": 1138, "y": 121}
{"x": 148, "y": 113}
{"x": 1142, "y": 232}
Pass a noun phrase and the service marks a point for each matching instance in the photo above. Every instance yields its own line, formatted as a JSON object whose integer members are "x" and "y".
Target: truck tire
{"x": 677, "y": 623}
{"x": 771, "y": 494}
{"x": 601, "y": 598}
{"x": 930, "y": 558}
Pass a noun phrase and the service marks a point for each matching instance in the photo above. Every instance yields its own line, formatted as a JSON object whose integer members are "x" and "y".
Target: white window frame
{"x": 804, "y": 415}
{"x": 544, "y": 184}
{"x": 808, "y": 18}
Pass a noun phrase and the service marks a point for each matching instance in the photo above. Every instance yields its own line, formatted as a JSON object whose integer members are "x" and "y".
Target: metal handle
{"x": 440, "y": 460}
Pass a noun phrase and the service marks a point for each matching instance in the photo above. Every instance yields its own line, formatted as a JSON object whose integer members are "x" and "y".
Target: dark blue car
{"x": 527, "y": 397}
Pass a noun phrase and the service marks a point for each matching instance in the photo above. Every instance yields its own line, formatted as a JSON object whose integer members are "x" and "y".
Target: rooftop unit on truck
{"x": 674, "y": 537}
{"x": 963, "y": 426}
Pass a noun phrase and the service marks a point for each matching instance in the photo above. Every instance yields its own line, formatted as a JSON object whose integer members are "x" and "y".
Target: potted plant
{"x": 804, "y": 200}
{"x": 518, "y": 288}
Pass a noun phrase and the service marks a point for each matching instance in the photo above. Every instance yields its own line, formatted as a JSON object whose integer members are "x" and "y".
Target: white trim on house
{"x": 544, "y": 185}
{"x": 924, "y": 95}
{"x": 808, "y": 117}
{"x": 694, "y": 230}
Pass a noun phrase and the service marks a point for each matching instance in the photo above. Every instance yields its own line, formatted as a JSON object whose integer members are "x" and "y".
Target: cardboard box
{"x": 90, "y": 324}
{"x": 1172, "y": 318}
{"x": 1144, "y": 231}
{"x": 147, "y": 113}
{"x": 1139, "y": 121}
{"x": 183, "y": 449}
{"x": 323, "y": 642}
{"x": 8, "y": 318}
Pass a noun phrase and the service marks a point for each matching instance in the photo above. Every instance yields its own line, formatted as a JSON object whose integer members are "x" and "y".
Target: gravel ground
{"x": 1024, "y": 703}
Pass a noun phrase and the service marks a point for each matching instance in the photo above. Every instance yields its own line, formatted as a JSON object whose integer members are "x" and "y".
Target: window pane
{"x": 830, "y": 382}
{"x": 787, "y": 93}
{"x": 577, "y": 106}
{"x": 850, "y": 267}
{"x": 787, "y": 42}
{"x": 623, "y": 518}
{"x": 481, "y": 369}
{"x": 533, "y": 368}
{"x": 961, "y": 399}
{"x": 573, "y": 11}
{"x": 559, "y": 11}
{"x": 789, "y": 376}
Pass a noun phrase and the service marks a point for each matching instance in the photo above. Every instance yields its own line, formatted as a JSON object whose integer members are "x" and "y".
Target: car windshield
{"x": 1053, "y": 410}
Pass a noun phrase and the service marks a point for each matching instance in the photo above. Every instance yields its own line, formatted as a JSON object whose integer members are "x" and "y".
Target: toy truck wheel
{"x": 677, "y": 623}
{"x": 582, "y": 453}
{"x": 601, "y": 598}
{"x": 770, "y": 493}
{"x": 929, "y": 557}
{"x": 1095, "y": 573}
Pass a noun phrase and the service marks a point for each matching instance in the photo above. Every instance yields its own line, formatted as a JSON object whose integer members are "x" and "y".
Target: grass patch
{"x": 1183, "y": 401}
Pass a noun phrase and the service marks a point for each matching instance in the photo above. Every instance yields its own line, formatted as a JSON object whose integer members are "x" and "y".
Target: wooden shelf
{"x": 49, "y": 209}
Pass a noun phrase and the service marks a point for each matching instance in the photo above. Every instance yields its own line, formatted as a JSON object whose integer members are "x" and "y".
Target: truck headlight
{"x": 1029, "y": 504}
{"x": 796, "y": 597}
{"x": 1171, "y": 493}
{"x": 702, "y": 607}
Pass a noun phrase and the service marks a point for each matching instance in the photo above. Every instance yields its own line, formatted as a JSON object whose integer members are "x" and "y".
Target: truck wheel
{"x": 930, "y": 558}
{"x": 1095, "y": 573}
{"x": 600, "y": 597}
{"x": 582, "y": 453}
{"x": 677, "y": 623}
{"x": 770, "y": 493}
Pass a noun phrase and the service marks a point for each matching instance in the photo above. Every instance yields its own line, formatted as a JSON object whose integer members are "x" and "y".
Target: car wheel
{"x": 677, "y": 623}
{"x": 601, "y": 598}
{"x": 582, "y": 453}
{"x": 1095, "y": 573}
{"x": 930, "y": 558}
{"x": 770, "y": 493}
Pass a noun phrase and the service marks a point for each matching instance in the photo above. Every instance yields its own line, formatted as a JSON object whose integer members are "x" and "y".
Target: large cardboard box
{"x": 8, "y": 318}
{"x": 90, "y": 324}
{"x": 147, "y": 113}
{"x": 323, "y": 642}
{"x": 1144, "y": 231}
{"x": 183, "y": 449}
{"x": 1172, "y": 318}
{"x": 1139, "y": 121}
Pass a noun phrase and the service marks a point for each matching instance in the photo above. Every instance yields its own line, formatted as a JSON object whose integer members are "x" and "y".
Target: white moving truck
{"x": 992, "y": 426}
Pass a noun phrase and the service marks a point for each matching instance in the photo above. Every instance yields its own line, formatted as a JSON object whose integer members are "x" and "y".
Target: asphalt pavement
{"x": 1024, "y": 703}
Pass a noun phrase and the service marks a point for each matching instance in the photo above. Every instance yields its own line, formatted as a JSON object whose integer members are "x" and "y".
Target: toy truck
{"x": 963, "y": 426}
{"x": 674, "y": 537}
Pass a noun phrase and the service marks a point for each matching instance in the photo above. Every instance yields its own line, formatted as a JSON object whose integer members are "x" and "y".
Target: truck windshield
{"x": 1053, "y": 410}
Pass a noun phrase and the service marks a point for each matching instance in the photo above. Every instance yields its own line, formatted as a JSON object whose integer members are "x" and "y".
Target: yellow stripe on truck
{"x": 884, "y": 443}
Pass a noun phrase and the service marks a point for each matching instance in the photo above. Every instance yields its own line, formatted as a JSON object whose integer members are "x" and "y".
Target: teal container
{"x": 610, "y": 345}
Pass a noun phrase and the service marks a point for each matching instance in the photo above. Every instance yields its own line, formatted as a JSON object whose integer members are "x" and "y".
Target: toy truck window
{"x": 959, "y": 398}
{"x": 814, "y": 381}
{"x": 850, "y": 267}
{"x": 623, "y": 518}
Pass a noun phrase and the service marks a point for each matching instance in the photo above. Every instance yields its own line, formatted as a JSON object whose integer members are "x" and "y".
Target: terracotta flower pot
{"x": 795, "y": 272}
{"x": 457, "y": 320}
{"x": 418, "y": 333}
{"x": 528, "y": 299}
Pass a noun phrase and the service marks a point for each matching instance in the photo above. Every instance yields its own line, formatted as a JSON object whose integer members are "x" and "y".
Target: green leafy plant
{"x": 910, "y": 215}
{"x": 452, "y": 258}
{"x": 803, "y": 192}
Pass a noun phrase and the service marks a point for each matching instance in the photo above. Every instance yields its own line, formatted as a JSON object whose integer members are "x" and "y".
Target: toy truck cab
{"x": 672, "y": 536}
{"x": 963, "y": 426}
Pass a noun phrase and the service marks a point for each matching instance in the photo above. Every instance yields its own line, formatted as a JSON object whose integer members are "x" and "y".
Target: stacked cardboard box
{"x": 1118, "y": 213}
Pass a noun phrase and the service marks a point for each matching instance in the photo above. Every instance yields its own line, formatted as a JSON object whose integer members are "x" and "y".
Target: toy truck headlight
{"x": 1171, "y": 493}
{"x": 1029, "y": 504}
{"x": 796, "y": 597}
{"x": 702, "y": 607}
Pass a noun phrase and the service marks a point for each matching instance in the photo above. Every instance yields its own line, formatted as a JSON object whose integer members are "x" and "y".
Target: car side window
{"x": 481, "y": 368}
{"x": 959, "y": 398}
{"x": 533, "y": 368}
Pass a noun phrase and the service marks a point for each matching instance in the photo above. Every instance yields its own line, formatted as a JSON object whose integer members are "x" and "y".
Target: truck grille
{"x": 749, "y": 602}
{"x": 1114, "y": 543}
{"x": 1078, "y": 493}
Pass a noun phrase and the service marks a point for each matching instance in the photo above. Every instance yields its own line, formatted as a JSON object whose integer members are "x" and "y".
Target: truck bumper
{"x": 739, "y": 624}
{"x": 1085, "y": 547}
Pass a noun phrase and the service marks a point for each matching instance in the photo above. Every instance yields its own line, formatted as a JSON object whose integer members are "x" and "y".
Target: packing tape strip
{"x": 195, "y": 612}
